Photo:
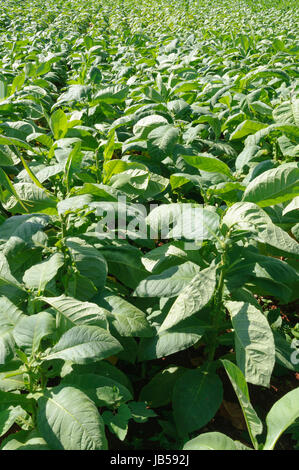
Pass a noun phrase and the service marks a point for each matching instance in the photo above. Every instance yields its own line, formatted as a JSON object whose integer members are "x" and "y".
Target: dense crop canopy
{"x": 149, "y": 227}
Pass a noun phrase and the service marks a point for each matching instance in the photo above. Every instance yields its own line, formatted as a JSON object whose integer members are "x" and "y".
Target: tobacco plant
{"x": 149, "y": 184}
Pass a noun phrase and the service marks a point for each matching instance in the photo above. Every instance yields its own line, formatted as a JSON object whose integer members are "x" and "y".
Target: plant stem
{"x": 217, "y": 309}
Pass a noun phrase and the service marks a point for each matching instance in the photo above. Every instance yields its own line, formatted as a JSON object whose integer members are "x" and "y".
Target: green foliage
{"x": 190, "y": 106}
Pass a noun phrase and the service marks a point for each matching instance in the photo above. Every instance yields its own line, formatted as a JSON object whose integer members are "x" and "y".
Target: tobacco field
{"x": 149, "y": 225}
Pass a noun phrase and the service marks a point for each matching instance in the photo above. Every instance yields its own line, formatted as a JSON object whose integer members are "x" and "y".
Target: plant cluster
{"x": 176, "y": 103}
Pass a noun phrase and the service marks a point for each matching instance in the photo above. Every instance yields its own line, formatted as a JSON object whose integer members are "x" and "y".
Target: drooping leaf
{"x": 194, "y": 297}
{"x": 254, "y": 424}
{"x": 254, "y": 342}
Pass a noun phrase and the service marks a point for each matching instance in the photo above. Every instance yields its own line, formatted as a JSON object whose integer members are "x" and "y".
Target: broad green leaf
{"x": 169, "y": 283}
{"x": 114, "y": 167}
{"x": 274, "y": 276}
{"x": 265, "y": 72}
{"x": 7, "y": 344}
{"x": 58, "y": 124}
{"x": 9, "y": 312}
{"x": 282, "y": 414}
{"x": 102, "y": 368}
{"x": 43, "y": 68}
{"x": 103, "y": 391}
{"x": 126, "y": 318}
{"x": 23, "y": 226}
{"x": 188, "y": 221}
{"x": 247, "y": 127}
{"x": 197, "y": 396}
{"x": 168, "y": 343}
{"x": 213, "y": 121}
{"x": 73, "y": 204}
{"x": 147, "y": 124}
{"x": 160, "y": 218}
{"x": 35, "y": 199}
{"x": 131, "y": 182}
{"x": 165, "y": 256}
{"x": 38, "y": 276}
{"x": 193, "y": 298}
{"x": 287, "y": 147}
{"x": 32, "y": 176}
{"x": 124, "y": 262}
{"x": 111, "y": 95}
{"x": 287, "y": 112}
{"x": 69, "y": 420}
{"x": 30, "y": 330}
{"x": 274, "y": 186}
{"x": 24, "y": 440}
{"x": 249, "y": 216}
{"x": 229, "y": 192}
{"x": 43, "y": 139}
{"x": 158, "y": 392}
{"x": 254, "y": 342}
{"x": 195, "y": 223}
{"x": 178, "y": 180}
{"x": 8, "y": 415}
{"x": 84, "y": 343}
{"x": 261, "y": 108}
{"x": 162, "y": 140}
{"x": 7, "y": 156}
{"x": 75, "y": 93}
{"x": 209, "y": 163}
{"x": 88, "y": 260}
{"x": 18, "y": 82}
{"x": 140, "y": 411}
{"x": 118, "y": 423}
{"x": 14, "y": 141}
{"x": 10, "y": 315}
{"x": 211, "y": 441}
{"x": 251, "y": 153}
{"x": 8, "y": 283}
{"x": 80, "y": 287}
{"x": 12, "y": 378}
{"x": 14, "y": 399}
{"x": 77, "y": 312}
{"x": 95, "y": 75}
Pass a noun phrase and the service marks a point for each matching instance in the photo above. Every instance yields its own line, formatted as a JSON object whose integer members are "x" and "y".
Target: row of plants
{"x": 148, "y": 224}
